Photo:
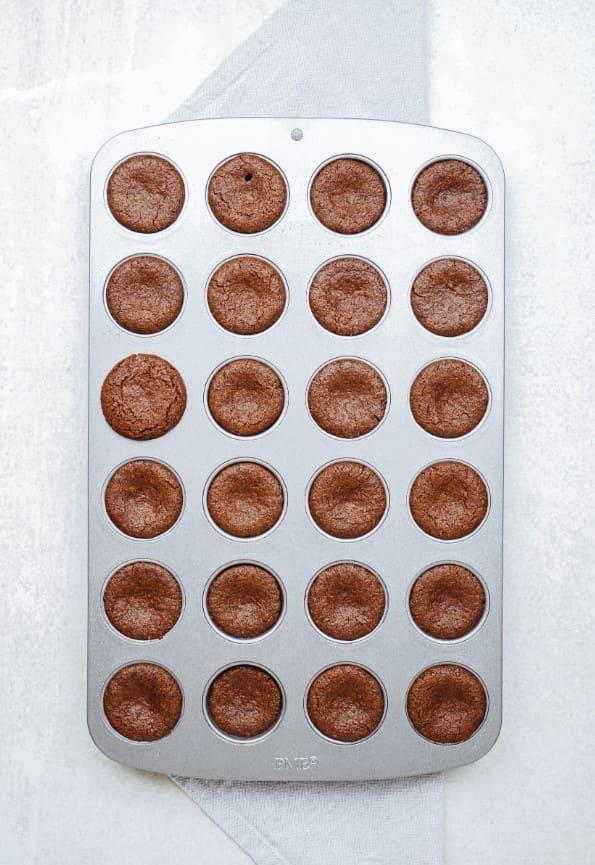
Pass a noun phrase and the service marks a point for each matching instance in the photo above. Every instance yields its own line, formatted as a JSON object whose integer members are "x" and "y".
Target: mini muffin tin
{"x": 294, "y": 651}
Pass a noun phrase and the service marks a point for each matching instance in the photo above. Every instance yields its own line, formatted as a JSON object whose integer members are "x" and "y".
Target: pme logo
{"x": 301, "y": 764}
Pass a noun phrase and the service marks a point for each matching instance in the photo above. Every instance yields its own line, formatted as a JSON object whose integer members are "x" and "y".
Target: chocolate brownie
{"x": 449, "y": 196}
{"x": 345, "y": 703}
{"x": 246, "y": 397}
{"x": 447, "y": 601}
{"x": 143, "y": 702}
{"x": 246, "y": 295}
{"x": 446, "y": 703}
{"x": 143, "y": 498}
{"x": 347, "y": 398}
{"x": 347, "y": 499}
{"x": 448, "y": 500}
{"x": 346, "y": 601}
{"x": 449, "y": 297}
{"x": 247, "y": 193}
{"x": 145, "y": 193}
{"x": 348, "y": 296}
{"x": 348, "y": 195}
{"x": 144, "y": 294}
{"x": 143, "y": 600}
{"x": 449, "y": 398}
{"x": 143, "y": 397}
{"x": 244, "y": 601}
{"x": 244, "y": 701}
{"x": 245, "y": 499}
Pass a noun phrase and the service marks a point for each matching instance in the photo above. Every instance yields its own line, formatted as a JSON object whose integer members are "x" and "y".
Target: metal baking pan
{"x": 296, "y": 448}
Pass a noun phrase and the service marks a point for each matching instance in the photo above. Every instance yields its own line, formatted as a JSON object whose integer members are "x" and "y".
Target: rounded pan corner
{"x": 105, "y": 148}
{"x": 491, "y": 153}
{"x": 482, "y": 147}
{"x": 102, "y": 743}
{"x": 483, "y": 750}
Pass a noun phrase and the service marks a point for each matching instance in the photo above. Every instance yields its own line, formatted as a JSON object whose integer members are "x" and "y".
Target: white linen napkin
{"x": 326, "y": 58}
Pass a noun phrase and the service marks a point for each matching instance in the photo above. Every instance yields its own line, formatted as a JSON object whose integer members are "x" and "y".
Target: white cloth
{"x": 396, "y": 822}
{"x": 326, "y": 58}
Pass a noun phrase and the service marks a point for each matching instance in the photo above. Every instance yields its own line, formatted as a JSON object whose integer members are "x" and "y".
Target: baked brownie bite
{"x": 246, "y": 397}
{"x": 448, "y": 500}
{"x": 348, "y": 296}
{"x": 446, "y": 703}
{"x": 143, "y": 498}
{"x": 245, "y": 499}
{"x": 246, "y": 295}
{"x": 143, "y": 397}
{"x": 247, "y": 193}
{"x": 348, "y": 195}
{"x": 347, "y": 398}
{"x": 449, "y": 297}
{"x": 144, "y": 294}
{"x": 449, "y": 196}
{"x": 345, "y": 703}
{"x": 244, "y": 701}
{"x": 449, "y": 398}
{"x": 143, "y": 702}
{"x": 143, "y": 600}
{"x": 244, "y": 601}
{"x": 145, "y": 193}
{"x": 447, "y": 601}
{"x": 347, "y": 499}
{"x": 346, "y": 601}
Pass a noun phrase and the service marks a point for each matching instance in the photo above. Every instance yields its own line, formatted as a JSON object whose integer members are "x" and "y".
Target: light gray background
{"x": 516, "y": 73}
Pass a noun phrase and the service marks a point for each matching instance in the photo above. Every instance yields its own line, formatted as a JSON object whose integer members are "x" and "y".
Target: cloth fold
{"x": 326, "y": 58}
{"x": 396, "y": 822}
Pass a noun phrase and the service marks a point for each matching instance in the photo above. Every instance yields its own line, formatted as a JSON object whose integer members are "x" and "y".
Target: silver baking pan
{"x": 194, "y": 651}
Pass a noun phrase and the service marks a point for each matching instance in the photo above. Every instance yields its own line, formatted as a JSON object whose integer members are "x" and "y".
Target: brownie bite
{"x": 348, "y": 195}
{"x": 143, "y": 397}
{"x": 348, "y": 296}
{"x": 244, "y": 601}
{"x": 449, "y": 196}
{"x": 449, "y": 297}
{"x": 449, "y": 398}
{"x": 244, "y": 701}
{"x": 447, "y": 601}
{"x": 143, "y": 600}
{"x": 347, "y": 499}
{"x": 143, "y": 702}
{"x": 143, "y": 498}
{"x": 446, "y": 703}
{"x": 145, "y": 193}
{"x": 245, "y": 499}
{"x": 246, "y": 295}
{"x": 448, "y": 500}
{"x": 346, "y": 601}
{"x": 347, "y": 398}
{"x": 144, "y": 294}
{"x": 247, "y": 193}
{"x": 246, "y": 397}
{"x": 345, "y": 703}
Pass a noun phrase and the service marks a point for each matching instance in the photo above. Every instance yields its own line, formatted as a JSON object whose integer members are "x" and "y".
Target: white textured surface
{"x": 515, "y": 72}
